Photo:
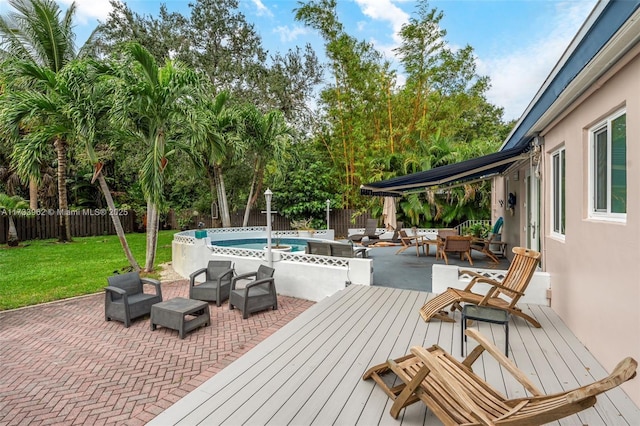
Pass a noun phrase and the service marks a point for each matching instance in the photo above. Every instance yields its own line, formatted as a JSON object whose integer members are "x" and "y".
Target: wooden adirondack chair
{"x": 456, "y": 244}
{"x": 501, "y": 295}
{"x": 456, "y": 395}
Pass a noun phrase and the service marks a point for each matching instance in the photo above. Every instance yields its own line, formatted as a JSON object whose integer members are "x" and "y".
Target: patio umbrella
{"x": 389, "y": 213}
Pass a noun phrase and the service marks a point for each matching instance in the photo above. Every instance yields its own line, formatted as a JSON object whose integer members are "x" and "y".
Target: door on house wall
{"x": 532, "y": 188}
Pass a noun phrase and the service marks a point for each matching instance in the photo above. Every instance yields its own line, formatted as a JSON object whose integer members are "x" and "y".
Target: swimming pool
{"x": 296, "y": 244}
{"x": 299, "y": 275}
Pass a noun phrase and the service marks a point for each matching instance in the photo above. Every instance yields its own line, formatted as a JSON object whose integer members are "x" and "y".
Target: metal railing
{"x": 463, "y": 228}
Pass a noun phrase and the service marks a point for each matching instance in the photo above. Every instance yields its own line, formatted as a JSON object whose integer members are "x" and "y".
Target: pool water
{"x": 296, "y": 244}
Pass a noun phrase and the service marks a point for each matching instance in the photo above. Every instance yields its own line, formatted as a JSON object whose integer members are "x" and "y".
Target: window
{"x": 608, "y": 189}
{"x": 558, "y": 191}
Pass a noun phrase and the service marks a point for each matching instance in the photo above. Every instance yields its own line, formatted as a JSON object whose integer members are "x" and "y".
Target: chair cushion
{"x": 136, "y": 298}
{"x": 253, "y": 291}
{"x": 209, "y": 284}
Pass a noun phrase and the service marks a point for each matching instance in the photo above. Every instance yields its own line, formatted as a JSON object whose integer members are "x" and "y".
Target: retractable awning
{"x": 476, "y": 168}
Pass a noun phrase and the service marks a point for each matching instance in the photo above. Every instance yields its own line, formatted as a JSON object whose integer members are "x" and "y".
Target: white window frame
{"x": 558, "y": 180}
{"x": 593, "y": 213}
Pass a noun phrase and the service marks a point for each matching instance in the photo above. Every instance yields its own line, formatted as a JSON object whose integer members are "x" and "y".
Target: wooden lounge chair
{"x": 395, "y": 238}
{"x": 501, "y": 295}
{"x": 456, "y": 395}
{"x": 456, "y": 244}
{"x": 484, "y": 246}
{"x": 407, "y": 241}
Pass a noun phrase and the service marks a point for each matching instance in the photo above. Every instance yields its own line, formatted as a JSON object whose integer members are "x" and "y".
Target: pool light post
{"x": 267, "y": 195}
{"x": 328, "y": 210}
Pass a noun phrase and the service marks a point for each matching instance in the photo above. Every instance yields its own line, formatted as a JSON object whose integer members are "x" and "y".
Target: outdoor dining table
{"x": 427, "y": 243}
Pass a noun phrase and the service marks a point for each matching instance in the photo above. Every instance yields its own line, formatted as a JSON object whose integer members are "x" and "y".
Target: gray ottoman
{"x": 173, "y": 314}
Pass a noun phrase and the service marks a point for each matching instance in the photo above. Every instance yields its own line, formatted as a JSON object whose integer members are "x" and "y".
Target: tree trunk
{"x": 212, "y": 191}
{"x": 33, "y": 194}
{"x": 12, "y": 237}
{"x": 63, "y": 205}
{"x": 250, "y": 198}
{"x": 152, "y": 235}
{"x": 222, "y": 198}
{"x": 116, "y": 222}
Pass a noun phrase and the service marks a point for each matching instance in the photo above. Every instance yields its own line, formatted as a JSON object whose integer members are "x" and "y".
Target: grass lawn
{"x": 44, "y": 270}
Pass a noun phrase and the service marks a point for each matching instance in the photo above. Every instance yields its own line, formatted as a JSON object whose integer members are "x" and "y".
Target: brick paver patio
{"x": 61, "y": 363}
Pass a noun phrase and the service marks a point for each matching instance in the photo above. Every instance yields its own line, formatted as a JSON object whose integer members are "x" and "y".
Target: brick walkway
{"x": 61, "y": 363}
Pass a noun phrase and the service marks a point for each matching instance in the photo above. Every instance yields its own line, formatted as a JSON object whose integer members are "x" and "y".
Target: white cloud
{"x": 290, "y": 34}
{"x": 262, "y": 10}
{"x": 517, "y": 76}
{"x": 87, "y": 10}
{"x": 385, "y": 10}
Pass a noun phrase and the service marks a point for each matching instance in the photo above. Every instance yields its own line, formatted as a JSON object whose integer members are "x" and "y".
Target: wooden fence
{"x": 339, "y": 220}
{"x": 85, "y": 223}
{"x": 43, "y": 224}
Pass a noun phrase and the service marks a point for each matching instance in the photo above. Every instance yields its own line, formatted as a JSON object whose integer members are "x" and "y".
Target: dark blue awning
{"x": 476, "y": 168}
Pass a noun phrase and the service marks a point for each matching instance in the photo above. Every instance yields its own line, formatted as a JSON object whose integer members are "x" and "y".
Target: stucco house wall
{"x": 594, "y": 280}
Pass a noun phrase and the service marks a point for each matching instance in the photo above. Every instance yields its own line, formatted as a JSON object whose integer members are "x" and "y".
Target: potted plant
{"x": 304, "y": 227}
{"x": 479, "y": 230}
{"x": 277, "y": 246}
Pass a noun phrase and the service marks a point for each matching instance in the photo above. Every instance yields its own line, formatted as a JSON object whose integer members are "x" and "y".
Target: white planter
{"x": 305, "y": 234}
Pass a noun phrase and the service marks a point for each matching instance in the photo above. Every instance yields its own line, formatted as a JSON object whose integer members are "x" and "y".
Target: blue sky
{"x": 517, "y": 42}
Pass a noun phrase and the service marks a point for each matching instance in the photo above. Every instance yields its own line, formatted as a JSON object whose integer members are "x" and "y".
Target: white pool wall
{"x": 300, "y": 275}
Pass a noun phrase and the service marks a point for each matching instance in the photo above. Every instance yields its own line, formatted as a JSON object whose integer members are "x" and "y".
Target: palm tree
{"x": 157, "y": 105}
{"x": 219, "y": 146}
{"x": 9, "y": 205}
{"x": 71, "y": 108}
{"x": 37, "y": 33}
{"x": 266, "y": 135}
{"x": 88, "y": 92}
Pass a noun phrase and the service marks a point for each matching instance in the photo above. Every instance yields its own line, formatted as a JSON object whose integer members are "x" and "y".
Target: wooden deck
{"x": 309, "y": 372}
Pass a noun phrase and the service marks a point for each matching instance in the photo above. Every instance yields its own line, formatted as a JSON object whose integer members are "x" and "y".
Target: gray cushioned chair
{"x": 216, "y": 285}
{"x": 257, "y": 295}
{"x": 125, "y": 299}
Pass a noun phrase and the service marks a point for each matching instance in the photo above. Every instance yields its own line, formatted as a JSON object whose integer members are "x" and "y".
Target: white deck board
{"x": 310, "y": 371}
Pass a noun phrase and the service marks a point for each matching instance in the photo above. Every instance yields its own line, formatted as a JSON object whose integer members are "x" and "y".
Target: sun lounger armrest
{"x": 502, "y": 359}
{"x": 471, "y": 273}
{"x": 494, "y": 290}
{"x": 501, "y": 287}
{"x": 496, "y": 285}
{"x": 448, "y": 381}
{"x": 625, "y": 370}
{"x": 477, "y": 278}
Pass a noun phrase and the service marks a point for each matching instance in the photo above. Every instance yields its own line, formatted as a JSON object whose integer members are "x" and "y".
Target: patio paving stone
{"x": 62, "y": 363}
